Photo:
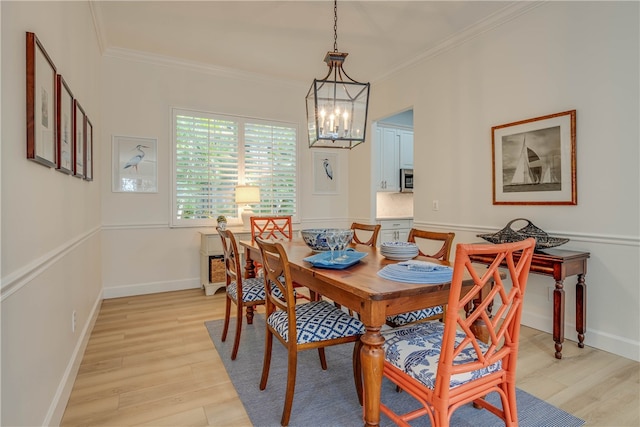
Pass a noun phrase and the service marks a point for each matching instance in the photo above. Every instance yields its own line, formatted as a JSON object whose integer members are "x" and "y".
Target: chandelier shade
{"x": 337, "y": 105}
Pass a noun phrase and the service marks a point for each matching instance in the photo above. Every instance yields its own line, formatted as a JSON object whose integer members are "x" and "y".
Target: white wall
{"x": 557, "y": 57}
{"x": 141, "y": 254}
{"x": 50, "y": 221}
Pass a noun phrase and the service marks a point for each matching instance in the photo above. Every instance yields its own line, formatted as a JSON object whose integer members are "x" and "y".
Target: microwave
{"x": 406, "y": 180}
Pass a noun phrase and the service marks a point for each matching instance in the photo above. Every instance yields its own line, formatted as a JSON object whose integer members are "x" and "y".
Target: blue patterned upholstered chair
{"x": 315, "y": 324}
{"x": 241, "y": 292}
{"x": 442, "y": 251}
{"x": 444, "y": 365}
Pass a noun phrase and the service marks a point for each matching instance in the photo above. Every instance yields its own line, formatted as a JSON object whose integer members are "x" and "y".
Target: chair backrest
{"x": 373, "y": 236}
{"x": 503, "y": 327}
{"x": 232, "y": 259}
{"x": 444, "y": 253}
{"x": 277, "y": 274}
{"x": 271, "y": 227}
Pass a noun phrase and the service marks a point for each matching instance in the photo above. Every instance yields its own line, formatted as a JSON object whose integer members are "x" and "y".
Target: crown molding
{"x": 504, "y": 15}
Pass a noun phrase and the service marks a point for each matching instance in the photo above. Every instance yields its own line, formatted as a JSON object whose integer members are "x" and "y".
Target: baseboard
{"x": 150, "y": 288}
{"x": 61, "y": 398}
{"x": 593, "y": 338}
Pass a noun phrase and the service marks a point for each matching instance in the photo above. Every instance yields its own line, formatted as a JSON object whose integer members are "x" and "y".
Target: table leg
{"x": 558, "y": 317}
{"x": 249, "y": 272}
{"x": 249, "y": 267}
{"x": 581, "y": 309}
{"x": 372, "y": 356}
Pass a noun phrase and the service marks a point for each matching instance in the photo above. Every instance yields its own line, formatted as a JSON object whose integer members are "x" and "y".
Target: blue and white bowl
{"x": 316, "y": 238}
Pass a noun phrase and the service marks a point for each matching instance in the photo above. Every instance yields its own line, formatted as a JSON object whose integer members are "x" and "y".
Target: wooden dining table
{"x": 360, "y": 289}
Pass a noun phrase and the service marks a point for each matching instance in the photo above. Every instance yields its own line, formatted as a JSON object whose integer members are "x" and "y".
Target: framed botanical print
{"x": 88, "y": 150}
{"x": 41, "y": 104}
{"x": 65, "y": 112}
{"x": 79, "y": 119}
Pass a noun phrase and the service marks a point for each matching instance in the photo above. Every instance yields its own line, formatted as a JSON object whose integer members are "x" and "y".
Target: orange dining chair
{"x": 275, "y": 228}
{"x": 440, "y": 247}
{"x": 372, "y": 235}
{"x": 444, "y": 365}
{"x": 241, "y": 292}
{"x": 311, "y": 325}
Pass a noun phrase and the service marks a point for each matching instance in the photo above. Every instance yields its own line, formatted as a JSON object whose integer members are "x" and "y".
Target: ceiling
{"x": 288, "y": 39}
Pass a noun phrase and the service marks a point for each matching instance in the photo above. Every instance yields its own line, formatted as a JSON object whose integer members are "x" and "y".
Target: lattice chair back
{"x": 271, "y": 227}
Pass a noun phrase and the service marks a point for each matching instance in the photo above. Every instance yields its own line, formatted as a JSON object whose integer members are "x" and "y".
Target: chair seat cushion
{"x": 414, "y": 316}
{"x": 415, "y": 350}
{"x": 316, "y": 321}
{"x": 252, "y": 290}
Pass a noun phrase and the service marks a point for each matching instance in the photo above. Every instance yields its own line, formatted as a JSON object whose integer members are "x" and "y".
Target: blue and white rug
{"x": 328, "y": 398}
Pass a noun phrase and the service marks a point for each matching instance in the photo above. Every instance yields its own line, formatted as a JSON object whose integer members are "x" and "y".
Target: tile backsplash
{"x": 394, "y": 205}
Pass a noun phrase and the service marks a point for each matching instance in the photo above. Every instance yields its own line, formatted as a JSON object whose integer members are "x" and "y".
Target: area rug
{"x": 328, "y": 398}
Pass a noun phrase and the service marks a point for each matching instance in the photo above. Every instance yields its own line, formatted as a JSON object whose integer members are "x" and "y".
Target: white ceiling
{"x": 288, "y": 39}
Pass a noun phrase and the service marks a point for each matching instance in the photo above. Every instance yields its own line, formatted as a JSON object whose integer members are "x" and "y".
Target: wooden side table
{"x": 559, "y": 264}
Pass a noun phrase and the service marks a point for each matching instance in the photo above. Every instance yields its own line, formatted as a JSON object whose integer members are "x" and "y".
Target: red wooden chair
{"x": 444, "y": 366}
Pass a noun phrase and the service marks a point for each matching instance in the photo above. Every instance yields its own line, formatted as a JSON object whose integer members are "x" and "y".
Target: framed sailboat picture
{"x": 534, "y": 161}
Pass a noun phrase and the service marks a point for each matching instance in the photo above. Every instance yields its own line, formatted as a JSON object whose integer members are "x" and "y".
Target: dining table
{"x": 360, "y": 289}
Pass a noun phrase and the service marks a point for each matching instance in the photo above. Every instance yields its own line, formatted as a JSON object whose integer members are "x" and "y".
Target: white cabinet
{"x": 395, "y": 230}
{"x": 395, "y": 151}
{"x": 212, "y": 273}
{"x": 406, "y": 149}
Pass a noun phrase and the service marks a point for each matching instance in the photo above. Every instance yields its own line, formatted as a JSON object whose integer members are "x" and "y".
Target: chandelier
{"x": 336, "y": 104}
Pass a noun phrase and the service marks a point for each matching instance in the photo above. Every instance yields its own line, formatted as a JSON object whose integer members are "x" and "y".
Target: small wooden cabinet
{"x": 212, "y": 273}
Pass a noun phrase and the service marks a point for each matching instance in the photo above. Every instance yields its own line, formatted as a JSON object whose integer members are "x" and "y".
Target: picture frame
{"x": 65, "y": 113}
{"x": 41, "y": 103}
{"x": 135, "y": 164}
{"x": 88, "y": 150}
{"x": 325, "y": 173}
{"x": 534, "y": 161}
{"x": 79, "y": 140}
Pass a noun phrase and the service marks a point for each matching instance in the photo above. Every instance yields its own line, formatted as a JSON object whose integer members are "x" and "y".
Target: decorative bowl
{"x": 316, "y": 238}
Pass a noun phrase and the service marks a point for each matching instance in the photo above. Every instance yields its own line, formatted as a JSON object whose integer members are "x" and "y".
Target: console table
{"x": 560, "y": 264}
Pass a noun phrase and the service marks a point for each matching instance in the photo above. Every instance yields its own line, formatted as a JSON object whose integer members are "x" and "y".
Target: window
{"x": 213, "y": 153}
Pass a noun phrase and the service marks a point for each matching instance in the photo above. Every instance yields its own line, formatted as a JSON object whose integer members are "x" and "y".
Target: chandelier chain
{"x": 335, "y": 25}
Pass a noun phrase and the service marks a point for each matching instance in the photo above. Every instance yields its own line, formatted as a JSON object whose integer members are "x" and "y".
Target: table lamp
{"x": 245, "y": 195}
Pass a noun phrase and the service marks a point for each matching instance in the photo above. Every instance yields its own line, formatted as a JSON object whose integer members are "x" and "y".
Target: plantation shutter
{"x": 214, "y": 153}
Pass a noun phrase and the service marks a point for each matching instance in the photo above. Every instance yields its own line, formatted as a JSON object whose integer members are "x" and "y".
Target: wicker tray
{"x": 508, "y": 235}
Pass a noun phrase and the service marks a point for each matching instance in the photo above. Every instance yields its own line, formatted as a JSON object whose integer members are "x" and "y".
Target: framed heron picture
{"x": 135, "y": 164}
{"x": 65, "y": 114}
{"x": 325, "y": 173}
{"x": 534, "y": 161}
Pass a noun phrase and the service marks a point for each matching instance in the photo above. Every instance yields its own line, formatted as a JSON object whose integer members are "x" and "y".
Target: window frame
{"x": 174, "y": 222}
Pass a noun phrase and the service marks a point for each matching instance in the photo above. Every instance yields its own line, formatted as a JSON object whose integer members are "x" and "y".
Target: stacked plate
{"x": 399, "y": 251}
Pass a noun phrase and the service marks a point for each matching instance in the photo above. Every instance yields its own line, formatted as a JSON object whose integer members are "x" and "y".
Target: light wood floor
{"x": 150, "y": 361}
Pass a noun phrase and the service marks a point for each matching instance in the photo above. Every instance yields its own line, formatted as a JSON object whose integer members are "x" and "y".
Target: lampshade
{"x": 246, "y": 194}
{"x": 337, "y": 105}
